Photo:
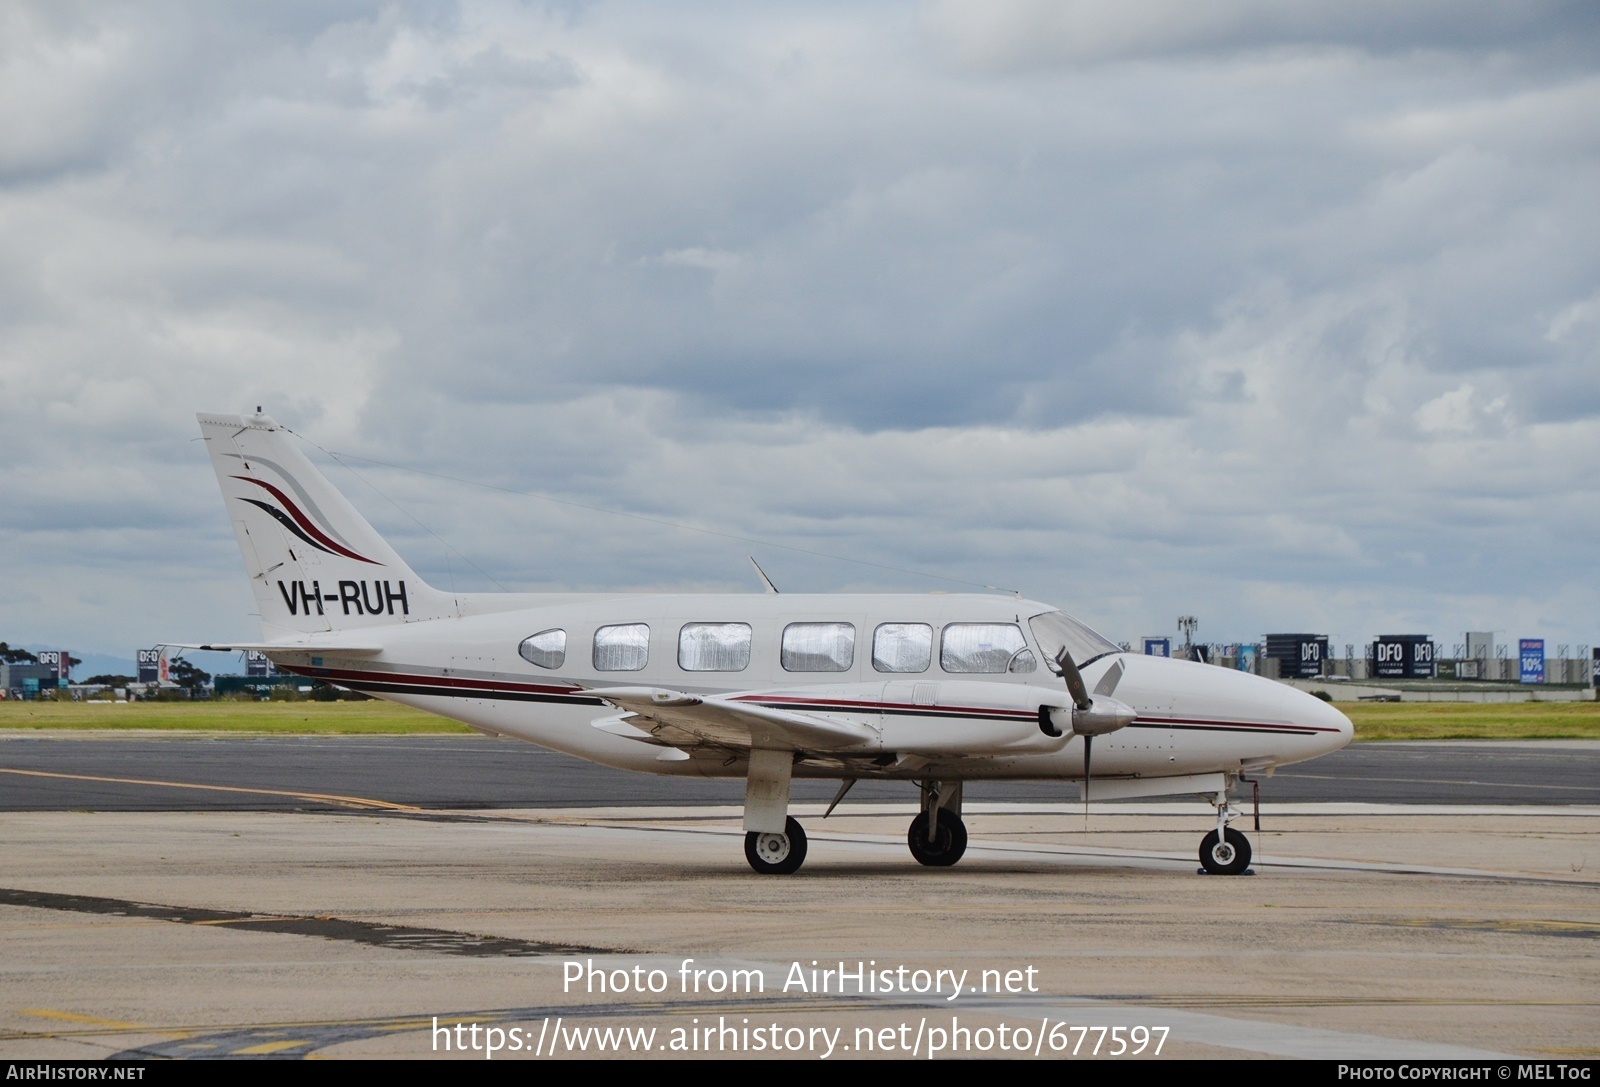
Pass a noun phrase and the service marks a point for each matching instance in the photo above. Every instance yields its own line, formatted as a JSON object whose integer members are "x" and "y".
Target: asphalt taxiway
{"x": 113, "y": 771}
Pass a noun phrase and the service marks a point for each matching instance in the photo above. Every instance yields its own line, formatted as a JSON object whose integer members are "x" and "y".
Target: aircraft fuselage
{"x": 1191, "y": 718}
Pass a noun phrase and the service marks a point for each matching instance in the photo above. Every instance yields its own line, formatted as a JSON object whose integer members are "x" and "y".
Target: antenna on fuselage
{"x": 762, "y": 574}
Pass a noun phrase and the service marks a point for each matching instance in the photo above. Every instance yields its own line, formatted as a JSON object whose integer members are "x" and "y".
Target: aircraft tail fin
{"x": 315, "y": 563}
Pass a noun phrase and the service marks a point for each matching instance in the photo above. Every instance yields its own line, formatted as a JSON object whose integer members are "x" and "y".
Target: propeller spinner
{"x": 1091, "y": 715}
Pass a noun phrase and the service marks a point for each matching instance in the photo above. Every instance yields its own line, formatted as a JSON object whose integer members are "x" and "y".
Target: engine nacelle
{"x": 1105, "y": 714}
{"x": 966, "y": 717}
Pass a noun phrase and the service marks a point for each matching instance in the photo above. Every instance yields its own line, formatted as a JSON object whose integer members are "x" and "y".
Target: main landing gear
{"x": 937, "y": 837}
{"x": 777, "y": 854}
{"x": 1225, "y": 851}
{"x": 771, "y": 851}
{"x": 944, "y": 846}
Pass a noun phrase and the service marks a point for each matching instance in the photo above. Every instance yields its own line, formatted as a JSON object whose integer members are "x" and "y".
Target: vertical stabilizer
{"x": 315, "y": 564}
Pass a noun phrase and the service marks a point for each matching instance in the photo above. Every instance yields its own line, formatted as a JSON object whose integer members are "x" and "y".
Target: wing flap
{"x": 687, "y": 720}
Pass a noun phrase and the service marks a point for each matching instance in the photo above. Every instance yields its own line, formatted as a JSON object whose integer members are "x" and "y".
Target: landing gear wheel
{"x": 776, "y": 854}
{"x": 949, "y": 843}
{"x": 1226, "y": 856}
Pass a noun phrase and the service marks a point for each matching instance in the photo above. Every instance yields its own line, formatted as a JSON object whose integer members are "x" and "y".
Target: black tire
{"x": 777, "y": 854}
{"x": 951, "y": 843}
{"x": 1226, "y": 856}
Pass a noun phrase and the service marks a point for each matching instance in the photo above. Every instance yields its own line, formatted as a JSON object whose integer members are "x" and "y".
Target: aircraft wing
{"x": 686, "y": 720}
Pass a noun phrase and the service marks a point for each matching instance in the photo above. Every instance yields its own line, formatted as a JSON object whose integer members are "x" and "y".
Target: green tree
{"x": 16, "y": 656}
{"x": 187, "y": 675}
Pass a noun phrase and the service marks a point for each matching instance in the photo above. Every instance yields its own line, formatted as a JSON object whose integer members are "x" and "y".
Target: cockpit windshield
{"x": 1054, "y": 629}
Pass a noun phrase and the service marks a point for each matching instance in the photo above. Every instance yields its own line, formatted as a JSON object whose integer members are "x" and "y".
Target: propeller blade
{"x": 1075, "y": 687}
{"x": 1108, "y": 682}
{"x": 1088, "y": 745}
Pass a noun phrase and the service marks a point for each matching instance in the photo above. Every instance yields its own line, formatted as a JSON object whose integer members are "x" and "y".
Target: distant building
{"x": 27, "y": 680}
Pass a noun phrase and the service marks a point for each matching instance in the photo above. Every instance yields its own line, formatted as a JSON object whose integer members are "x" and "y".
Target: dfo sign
{"x": 149, "y": 666}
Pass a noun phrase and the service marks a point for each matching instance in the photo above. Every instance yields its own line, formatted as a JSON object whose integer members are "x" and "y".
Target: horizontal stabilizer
{"x": 685, "y": 720}
{"x": 269, "y": 648}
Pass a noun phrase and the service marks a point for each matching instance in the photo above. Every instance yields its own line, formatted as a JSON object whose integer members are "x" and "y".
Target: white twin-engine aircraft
{"x": 937, "y": 690}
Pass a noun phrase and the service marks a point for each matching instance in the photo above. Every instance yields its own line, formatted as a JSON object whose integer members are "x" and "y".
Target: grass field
{"x": 303, "y": 717}
{"x": 1373, "y": 720}
{"x": 1474, "y": 720}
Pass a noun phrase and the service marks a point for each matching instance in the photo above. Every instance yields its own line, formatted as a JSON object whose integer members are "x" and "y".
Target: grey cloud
{"x": 1185, "y": 327}
{"x": 494, "y": 69}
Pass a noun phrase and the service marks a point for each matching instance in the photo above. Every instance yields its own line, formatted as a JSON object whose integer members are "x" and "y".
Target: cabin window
{"x": 819, "y": 647}
{"x": 624, "y": 648}
{"x": 902, "y": 647}
{"x": 714, "y": 647}
{"x": 980, "y": 647}
{"x": 547, "y": 649}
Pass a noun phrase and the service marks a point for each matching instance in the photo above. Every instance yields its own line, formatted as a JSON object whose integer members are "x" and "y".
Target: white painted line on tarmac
{"x": 1051, "y": 853}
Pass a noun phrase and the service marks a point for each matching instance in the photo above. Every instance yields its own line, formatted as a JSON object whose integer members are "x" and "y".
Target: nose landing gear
{"x": 1228, "y": 855}
{"x": 1225, "y": 851}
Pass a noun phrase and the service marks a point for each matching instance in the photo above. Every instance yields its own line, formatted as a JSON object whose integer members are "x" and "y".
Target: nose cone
{"x": 1333, "y": 728}
{"x": 1243, "y": 718}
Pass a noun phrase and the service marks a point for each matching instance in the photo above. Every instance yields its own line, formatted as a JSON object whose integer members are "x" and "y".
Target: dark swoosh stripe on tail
{"x": 283, "y": 519}
{"x": 322, "y": 541}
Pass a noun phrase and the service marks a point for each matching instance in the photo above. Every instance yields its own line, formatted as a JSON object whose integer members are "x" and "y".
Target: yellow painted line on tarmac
{"x": 352, "y": 801}
{"x": 269, "y": 1047}
{"x": 89, "y": 1020}
{"x": 257, "y": 918}
{"x": 97, "y": 1026}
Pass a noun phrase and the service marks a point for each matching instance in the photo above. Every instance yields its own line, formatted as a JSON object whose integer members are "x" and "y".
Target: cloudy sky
{"x": 1285, "y": 317}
